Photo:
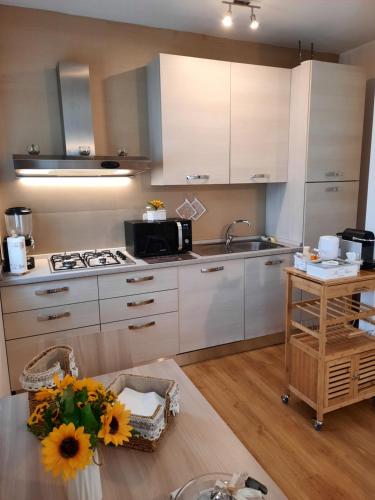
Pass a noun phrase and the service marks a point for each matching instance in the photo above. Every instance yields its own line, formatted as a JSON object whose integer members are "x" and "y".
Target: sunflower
{"x": 41, "y": 408}
{"x": 65, "y": 450}
{"x": 115, "y": 425}
{"x": 45, "y": 394}
{"x": 34, "y": 418}
{"x": 90, "y": 384}
{"x": 65, "y": 382}
{"x": 92, "y": 396}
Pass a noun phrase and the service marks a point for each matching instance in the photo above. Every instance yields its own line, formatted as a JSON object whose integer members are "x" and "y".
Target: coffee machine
{"x": 18, "y": 222}
{"x": 360, "y": 242}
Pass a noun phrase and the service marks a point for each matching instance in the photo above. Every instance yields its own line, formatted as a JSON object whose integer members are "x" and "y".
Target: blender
{"x": 18, "y": 221}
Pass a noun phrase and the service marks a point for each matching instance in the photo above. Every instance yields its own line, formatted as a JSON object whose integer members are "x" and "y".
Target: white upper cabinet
{"x": 260, "y": 100}
{"x": 189, "y": 110}
{"x": 337, "y": 95}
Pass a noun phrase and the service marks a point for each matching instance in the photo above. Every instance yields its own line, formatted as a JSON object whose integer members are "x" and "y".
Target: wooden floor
{"x": 336, "y": 463}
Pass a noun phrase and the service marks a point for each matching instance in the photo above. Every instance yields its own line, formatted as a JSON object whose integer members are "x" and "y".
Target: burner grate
{"x": 100, "y": 258}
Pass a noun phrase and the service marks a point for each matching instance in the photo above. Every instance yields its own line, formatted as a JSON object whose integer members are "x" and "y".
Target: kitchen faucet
{"x": 229, "y": 237}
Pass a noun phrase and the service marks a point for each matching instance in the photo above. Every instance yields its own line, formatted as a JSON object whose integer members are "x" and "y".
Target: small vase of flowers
{"x": 155, "y": 210}
{"x": 72, "y": 419}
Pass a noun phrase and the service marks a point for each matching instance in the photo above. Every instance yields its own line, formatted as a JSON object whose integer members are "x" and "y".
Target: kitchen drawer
{"x": 350, "y": 288}
{"x": 21, "y": 351}
{"x": 136, "y": 306}
{"x": 51, "y": 319}
{"x": 48, "y": 294}
{"x": 117, "y": 285}
{"x": 149, "y": 338}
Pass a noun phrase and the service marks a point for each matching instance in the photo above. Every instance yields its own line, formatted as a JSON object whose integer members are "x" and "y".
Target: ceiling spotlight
{"x": 227, "y": 19}
{"x": 254, "y": 23}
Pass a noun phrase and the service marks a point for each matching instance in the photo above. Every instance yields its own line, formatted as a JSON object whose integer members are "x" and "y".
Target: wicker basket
{"x": 146, "y": 426}
{"x": 39, "y": 372}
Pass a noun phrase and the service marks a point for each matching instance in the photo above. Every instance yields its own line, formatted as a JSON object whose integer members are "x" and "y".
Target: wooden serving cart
{"x": 330, "y": 360}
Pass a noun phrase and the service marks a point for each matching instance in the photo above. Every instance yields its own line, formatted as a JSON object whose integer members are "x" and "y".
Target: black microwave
{"x": 151, "y": 239}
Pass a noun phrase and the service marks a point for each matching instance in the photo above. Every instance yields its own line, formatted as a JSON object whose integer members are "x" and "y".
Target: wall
{"x": 365, "y": 56}
{"x": 83, "y": 216}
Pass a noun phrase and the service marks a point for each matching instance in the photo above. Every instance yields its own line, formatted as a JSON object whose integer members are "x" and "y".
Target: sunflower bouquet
{"x": 72, "y": 418}
{"x": 155, "y": 204}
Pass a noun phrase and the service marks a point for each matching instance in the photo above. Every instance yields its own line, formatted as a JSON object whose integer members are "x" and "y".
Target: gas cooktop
{"x": 71, "y": 261}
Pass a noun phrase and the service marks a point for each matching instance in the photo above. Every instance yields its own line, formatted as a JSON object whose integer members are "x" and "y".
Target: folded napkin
{"x": 141, "y": 403}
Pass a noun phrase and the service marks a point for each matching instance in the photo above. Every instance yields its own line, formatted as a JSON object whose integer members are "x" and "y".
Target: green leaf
{"x": 68, "y": 401}
{"x": 88, "y": 420}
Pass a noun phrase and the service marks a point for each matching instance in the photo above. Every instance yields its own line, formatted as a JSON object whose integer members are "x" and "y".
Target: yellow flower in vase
{"x": 66, "y": 450}
{"x": 45, "y": 394}
{"x": 65, "y": 382}
{"x": 156, "y": 204}
{"x": 115, "y": 428}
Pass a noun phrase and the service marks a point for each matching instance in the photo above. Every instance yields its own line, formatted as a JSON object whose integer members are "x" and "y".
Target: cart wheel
{"x": 317, "y": 424}
{"x": 285, "y": 398}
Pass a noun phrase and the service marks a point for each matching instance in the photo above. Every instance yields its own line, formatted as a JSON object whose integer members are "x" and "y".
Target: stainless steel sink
{"x": 208, "y": 249}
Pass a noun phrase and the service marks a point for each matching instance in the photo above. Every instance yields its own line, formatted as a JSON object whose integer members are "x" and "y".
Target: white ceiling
{"x": 333, "y": 25}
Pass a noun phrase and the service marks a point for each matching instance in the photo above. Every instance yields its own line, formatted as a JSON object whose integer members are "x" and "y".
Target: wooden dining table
{"x": 198, "y": 441}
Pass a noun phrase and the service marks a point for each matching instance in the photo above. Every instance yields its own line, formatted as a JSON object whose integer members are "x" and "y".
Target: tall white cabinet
{"x": 260, "y": 99}
{"x": 325, "y": 137}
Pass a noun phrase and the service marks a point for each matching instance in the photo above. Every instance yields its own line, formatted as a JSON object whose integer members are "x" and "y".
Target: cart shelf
{"x": 338, "y": 310}
{"x": 341, "y": 340}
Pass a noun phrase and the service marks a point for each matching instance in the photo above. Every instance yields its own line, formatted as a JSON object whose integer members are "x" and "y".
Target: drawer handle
{"x": 362, "y": 289}
{"x": 212, "y": 269}
{"x": 259, "y": 176}
{"x": 50, "y": 317}
{"x": 273, "y": 262}
{"x": 332, "y": 189}
{"x": 140, "y": 303}
{"x": 49, "y": 291}
{"x": 139, "y": 280}
{"x": 144, "y": 325}
{"x": 198, "y": 177}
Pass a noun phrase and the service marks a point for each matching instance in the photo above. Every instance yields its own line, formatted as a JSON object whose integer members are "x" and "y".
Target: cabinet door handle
{"x": 212, "y": 269}
{"x": 140, "y": 303}
{"x": 50, "y": 317}
{"x": 332, "y": 189}
{"x": 273, "y": 262}
{"x": 144, "y": 325}
{"x": 333, "y": 174}
{"x": 49, "y": 291}
{"x": 139, "y": 280}
{"x": 259, "y": 176}
{"x": 198, "y": 177}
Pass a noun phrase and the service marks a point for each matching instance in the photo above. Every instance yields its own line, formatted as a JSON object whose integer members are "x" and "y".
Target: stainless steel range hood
{"x": 79, "y": 159}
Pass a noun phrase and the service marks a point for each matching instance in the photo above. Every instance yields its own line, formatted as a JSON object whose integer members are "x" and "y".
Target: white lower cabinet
{"x": 211, "y": 304}
{"x": 148, "y": 338}
{"x": 21, "y": 351}
{"x": 265, "y": 294}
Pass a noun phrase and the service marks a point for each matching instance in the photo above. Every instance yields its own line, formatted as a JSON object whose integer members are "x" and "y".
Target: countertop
{"x": 197, "y": 442}
{"x": 42, "y": 271}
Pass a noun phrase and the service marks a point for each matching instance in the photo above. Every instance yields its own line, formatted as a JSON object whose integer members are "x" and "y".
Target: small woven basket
{"x": 168, "y": 389}
{"x": 39, "y": 372}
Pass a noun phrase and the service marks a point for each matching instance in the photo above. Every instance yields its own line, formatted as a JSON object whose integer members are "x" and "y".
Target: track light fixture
{"x": 254, "y": 23}
{"x": 227, "y": 19}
